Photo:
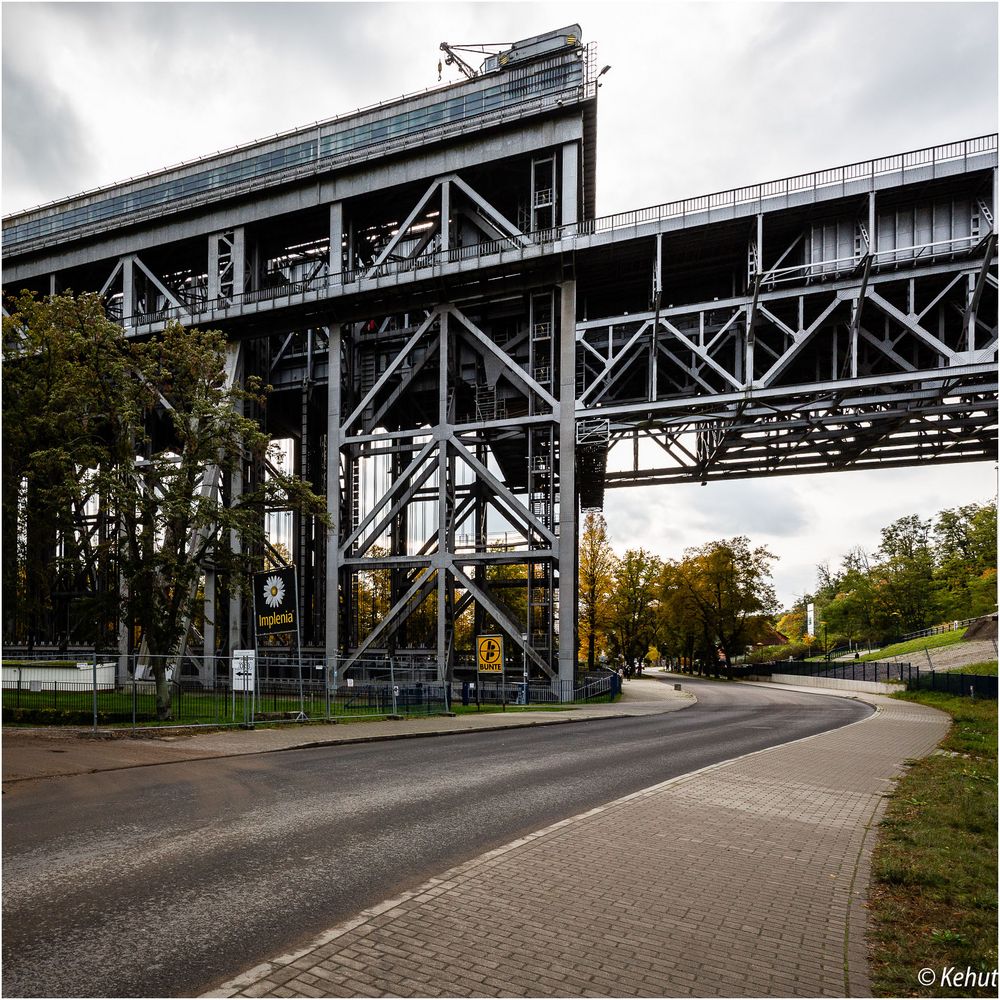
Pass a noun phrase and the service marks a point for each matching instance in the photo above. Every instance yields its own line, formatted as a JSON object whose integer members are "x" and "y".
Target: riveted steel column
{"x": 333, "y": 500}
{"x": 567, "y": 489}
{"x": 336, "y": 238}
{"x": 569, "y": 186}
{"x": 128, "y": 291}
{"x": 446, "y": 215}
{"x": 441, "y": 558}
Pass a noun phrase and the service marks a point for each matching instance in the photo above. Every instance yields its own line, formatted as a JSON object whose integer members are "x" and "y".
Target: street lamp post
{"x": 524, "y": 650}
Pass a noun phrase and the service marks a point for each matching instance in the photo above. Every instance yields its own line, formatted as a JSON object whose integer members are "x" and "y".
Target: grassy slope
{"x": 985, "y": 669}
{"x": 934, "y": 869}
{"x": 916, "y": 645}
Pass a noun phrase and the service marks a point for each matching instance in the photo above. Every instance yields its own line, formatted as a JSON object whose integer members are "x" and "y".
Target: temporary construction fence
{"x": 80, "y": 693}
{"x": 135, "y": 703}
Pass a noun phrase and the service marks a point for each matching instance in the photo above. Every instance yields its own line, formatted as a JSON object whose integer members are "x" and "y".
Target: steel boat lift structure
{"x": 457, "y": 341}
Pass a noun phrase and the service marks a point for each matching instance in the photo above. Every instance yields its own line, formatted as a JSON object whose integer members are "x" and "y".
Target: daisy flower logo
{"x": 274, "y": 591}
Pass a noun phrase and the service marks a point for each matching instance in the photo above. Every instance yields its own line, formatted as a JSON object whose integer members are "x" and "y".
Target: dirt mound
{"x": 982, "y": 628}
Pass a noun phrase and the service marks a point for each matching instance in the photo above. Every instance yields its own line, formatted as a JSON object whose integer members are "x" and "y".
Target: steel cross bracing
{"x": 873, "y": 369}
{"x": 463, "y": 356}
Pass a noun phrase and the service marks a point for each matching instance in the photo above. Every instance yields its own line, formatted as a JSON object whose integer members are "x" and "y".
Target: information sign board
{"x": 489, "y": 654}
{"x": 244, "y": 669}
{"x": 275, "y": 602}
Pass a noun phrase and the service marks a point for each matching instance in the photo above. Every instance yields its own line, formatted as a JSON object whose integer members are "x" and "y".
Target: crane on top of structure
{"x": 452, "y": 58}
{"x": 501, "y": 55}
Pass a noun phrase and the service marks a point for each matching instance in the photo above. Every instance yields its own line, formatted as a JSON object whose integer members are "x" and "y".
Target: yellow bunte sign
{"x": 489, "y": 654}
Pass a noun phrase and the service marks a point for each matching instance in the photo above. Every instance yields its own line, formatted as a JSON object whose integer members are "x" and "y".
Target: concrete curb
{"x": 260, "y": 971}
{"x": 360, "y": 738}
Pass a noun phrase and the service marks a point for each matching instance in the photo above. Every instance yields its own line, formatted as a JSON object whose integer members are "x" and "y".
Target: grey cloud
{"x": 760, "y": 509}
{"x": 668, "y": 519}
{"x": 45, "y": 147}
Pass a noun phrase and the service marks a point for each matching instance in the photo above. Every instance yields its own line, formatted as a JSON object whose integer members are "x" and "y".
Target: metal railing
{"x": 814, "y": 181}
{"x": 885, "y": 672}
{"x": 508, "y": 692}
{"x": 511, "y": 247}
{"x": 939, "y": 629}
{"x": 962, "y": 685}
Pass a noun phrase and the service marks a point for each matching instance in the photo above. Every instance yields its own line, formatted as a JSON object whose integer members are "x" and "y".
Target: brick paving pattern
{"x": 745, "y": 879}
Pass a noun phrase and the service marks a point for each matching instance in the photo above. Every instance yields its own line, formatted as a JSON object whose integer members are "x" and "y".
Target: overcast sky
{"x": 700, "y": 97}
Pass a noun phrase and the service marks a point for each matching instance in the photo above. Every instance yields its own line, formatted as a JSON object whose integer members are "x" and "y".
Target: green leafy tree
{"x": 851, "y": 612}
{"x": 63, "y": 363}
{"x": 905, "y": 588}
{"x": 160, "y": 429}
{"x": 965, "y": 552}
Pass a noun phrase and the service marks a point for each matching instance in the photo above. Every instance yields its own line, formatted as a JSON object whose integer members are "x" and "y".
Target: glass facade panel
{"x": 514, "y": 86}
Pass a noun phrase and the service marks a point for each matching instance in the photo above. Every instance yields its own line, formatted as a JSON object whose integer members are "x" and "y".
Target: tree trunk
{"x": 164, "y": 709}
{"x": 590, "y": 651}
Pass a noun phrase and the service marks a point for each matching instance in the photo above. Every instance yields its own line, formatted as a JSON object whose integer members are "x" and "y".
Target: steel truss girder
{"x": 710, "y": 352}
{"x": 951, "y": 418}
{"x": 431, "y": 457}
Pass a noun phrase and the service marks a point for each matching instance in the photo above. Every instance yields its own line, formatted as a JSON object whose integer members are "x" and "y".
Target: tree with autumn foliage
{"x": 597, "y": 577}
{"x": 633, "y": 607}
{"x": 720, "y": 597}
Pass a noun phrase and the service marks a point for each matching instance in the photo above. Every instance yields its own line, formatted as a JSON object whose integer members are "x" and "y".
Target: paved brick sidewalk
{"x": 745, "y": 879}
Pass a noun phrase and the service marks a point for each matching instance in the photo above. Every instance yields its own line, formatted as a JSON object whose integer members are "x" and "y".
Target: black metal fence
{"x": 964, "y": 685}
{"x": 915, "y": 679}
{"x": 593, "y": 690}
{"x": 885, "y": 672}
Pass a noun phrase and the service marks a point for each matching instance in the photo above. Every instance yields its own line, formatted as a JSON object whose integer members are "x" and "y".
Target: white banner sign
{"x": 244, "y": 669}
{"x": 811, "y": 619}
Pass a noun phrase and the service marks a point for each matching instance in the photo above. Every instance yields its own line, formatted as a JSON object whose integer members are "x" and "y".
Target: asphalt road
{"x": 166, "y": 880}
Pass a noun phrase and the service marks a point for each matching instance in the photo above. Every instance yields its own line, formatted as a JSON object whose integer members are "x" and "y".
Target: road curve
{"x": 162, "y": 881}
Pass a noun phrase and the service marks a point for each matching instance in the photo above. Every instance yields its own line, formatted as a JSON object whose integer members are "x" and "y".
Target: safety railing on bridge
{"x": 511, "y": 248}
{"x": 817, "y": 180}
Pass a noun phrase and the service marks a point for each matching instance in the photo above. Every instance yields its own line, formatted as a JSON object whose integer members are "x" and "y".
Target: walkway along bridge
{"x": 457, "y": 341}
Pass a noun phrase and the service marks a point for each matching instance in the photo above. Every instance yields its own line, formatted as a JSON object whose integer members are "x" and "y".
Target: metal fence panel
{"x": 201, "y": 692}
{"x": 963, "y": 685}
{"x": 915, "y": 679}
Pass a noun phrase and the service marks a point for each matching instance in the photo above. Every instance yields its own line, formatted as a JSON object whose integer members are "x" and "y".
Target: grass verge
{"x": 988, "y": 668}
{"x": 934, "y": 868}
